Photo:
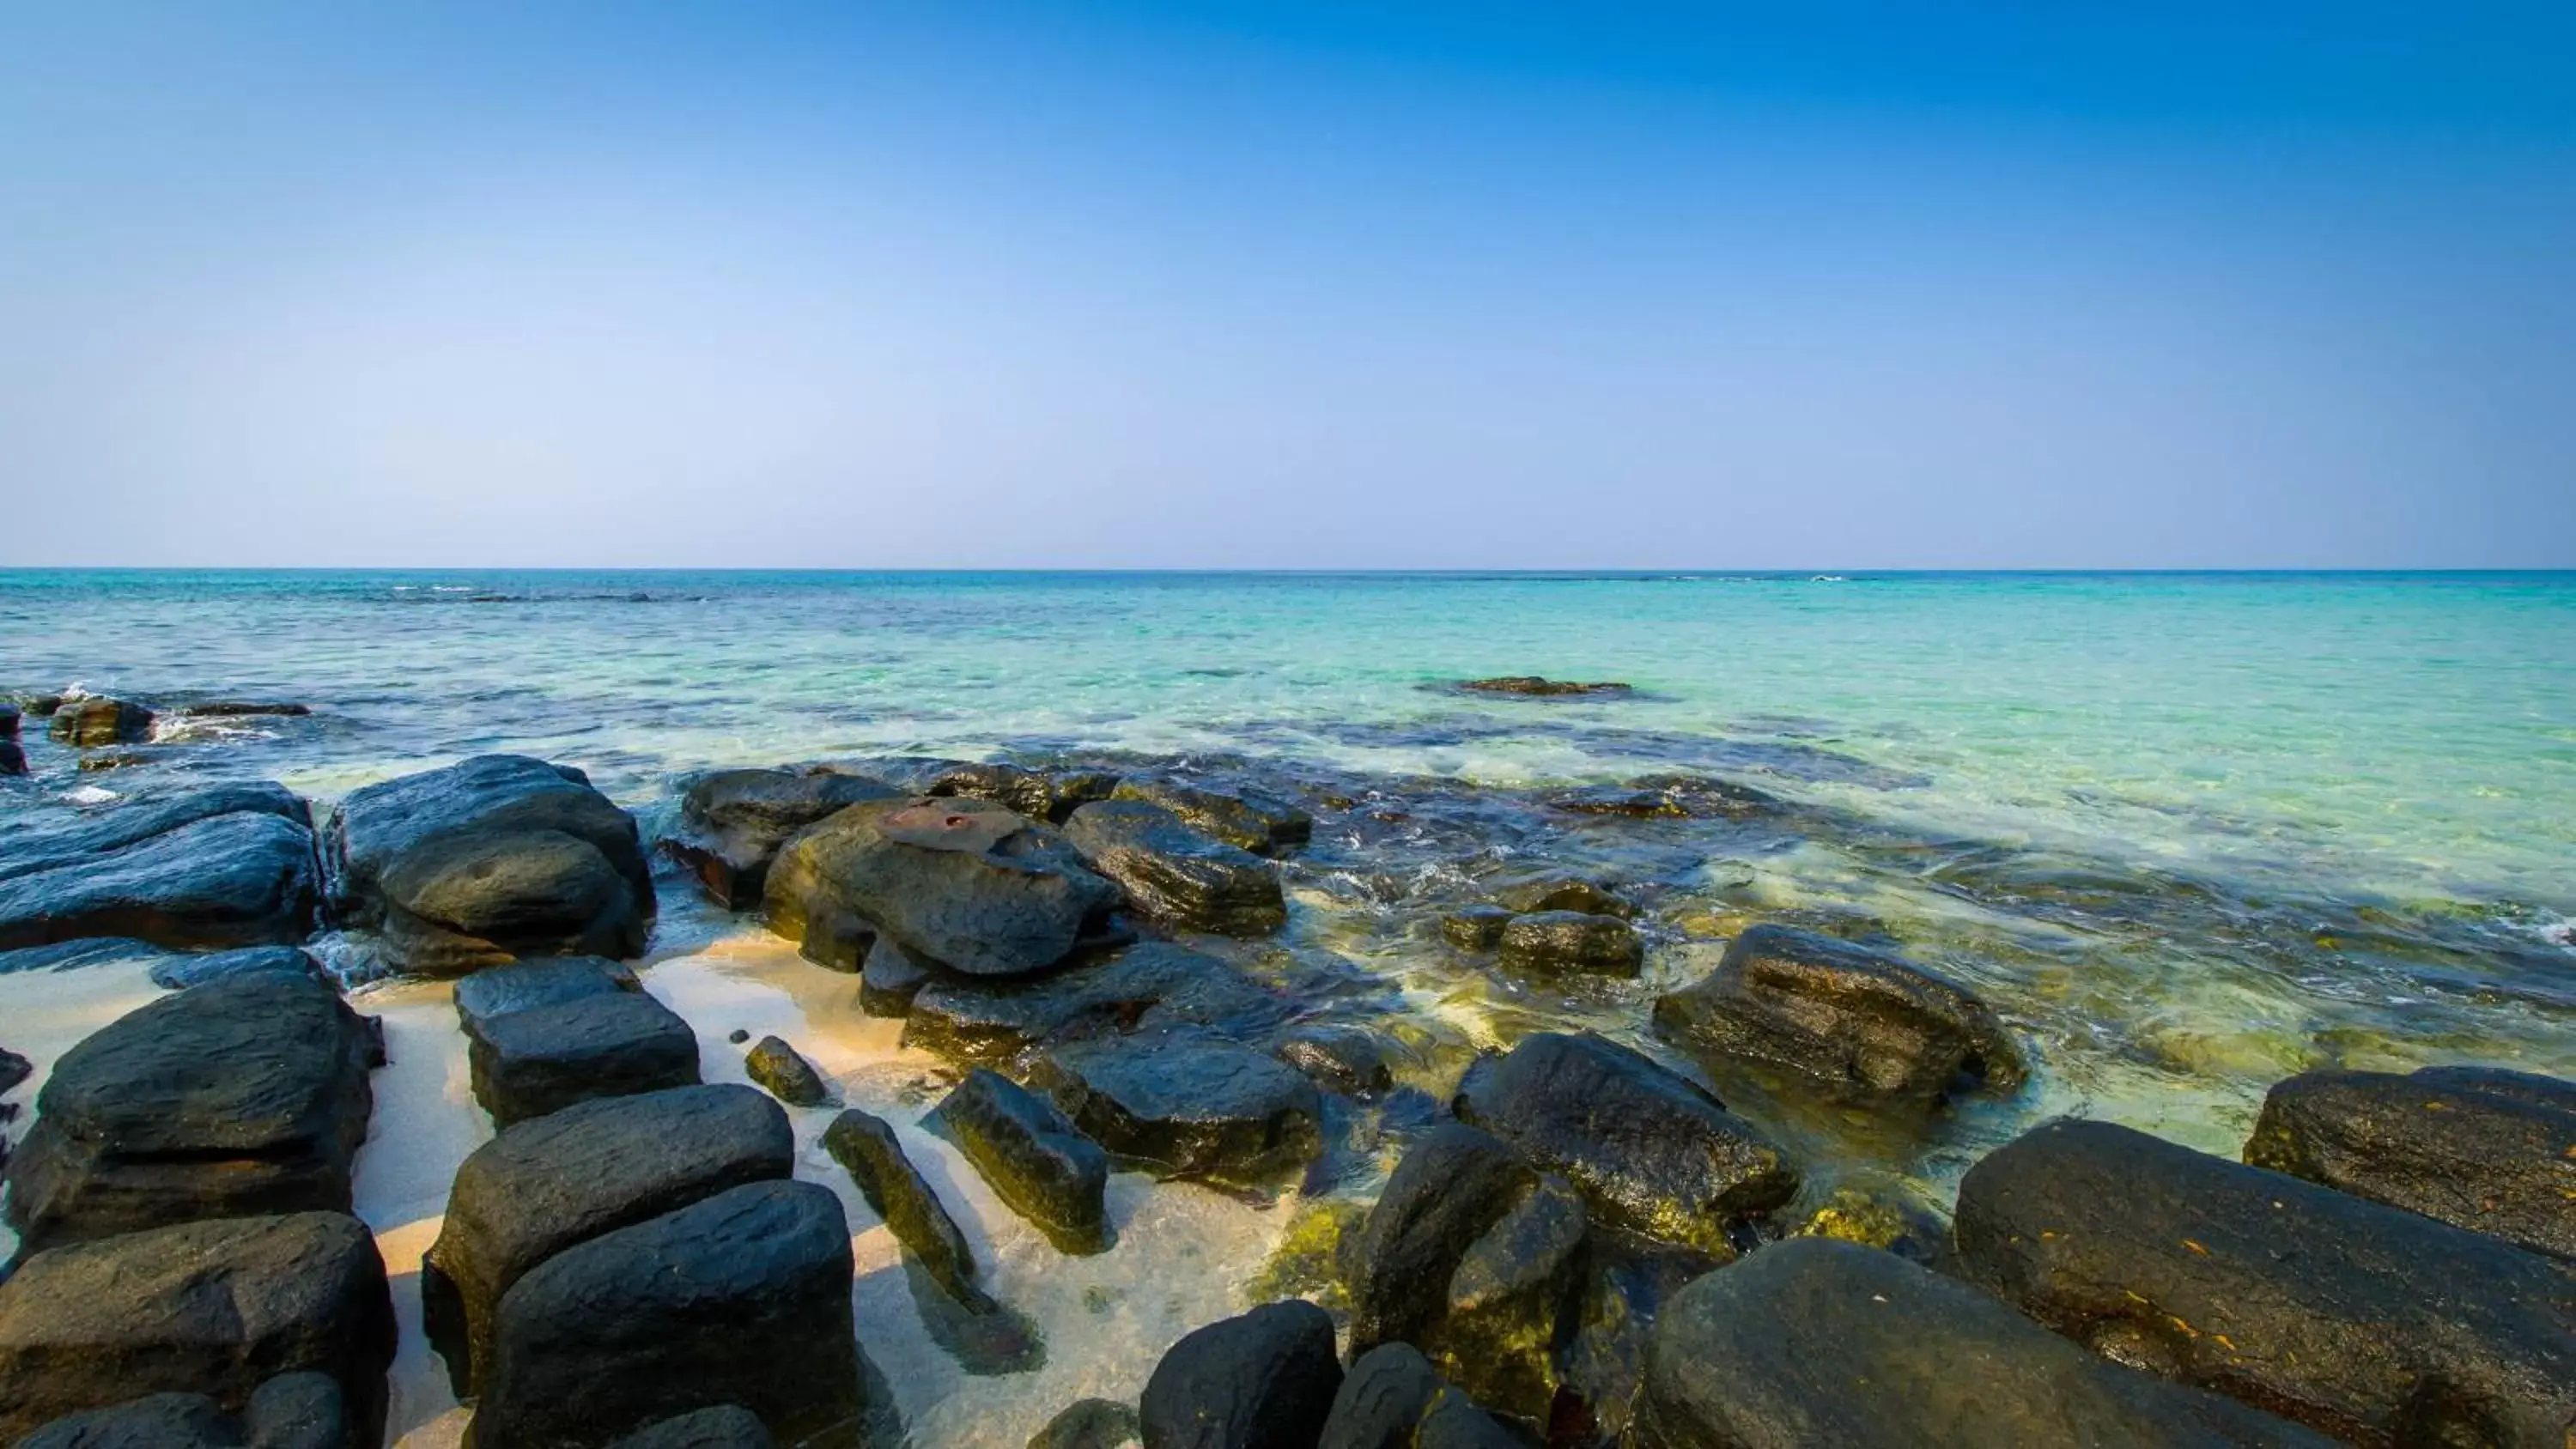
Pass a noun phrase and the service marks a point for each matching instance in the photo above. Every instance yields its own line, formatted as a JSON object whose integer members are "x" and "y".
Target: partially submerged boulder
{"x": 777, "y": 1067}
{"x": 1532, "y": 686}
{"x": 1813, "y": 1342}
{"x": 98, "y": 720}
{"x": 2372, "y": 1324}
{"x": 543, "y": 1035}
{"x": 2483, "y": 1148}
{"x": 963, "y": 883}
{"x": 1147, "y": 987}
{"x": 494, "y": 858}
{"x": 733, "y": 822}
{"x": 1051, "y": 794}
{"x": 1188, "y": 1105}
{"x": 1037, "y": 1162}
{"x": 542, "y": 1186}
{"x": 238, "y": 1098}
{"x": 1653, "y": 1152}
{"x": 1859, "y": 1022}
{"x": 1569, "y": 941}
{"x": 1554, "y": 890}
{"x": 742, "y": 1298}
{"x": 1348, "y": 1059}
{"x": 217, "y": 1308}
{"x": 215, "y": 868}
{"x": 1090, "y": 1424}
{"x": 1176, "y": 875}
{"x": 1261, "y": 1380}
{"x": 1250, "y": 819}
{"x": 866, "y": 1147}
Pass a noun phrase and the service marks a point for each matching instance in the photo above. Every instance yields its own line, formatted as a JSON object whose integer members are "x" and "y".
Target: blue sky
{"x": 1314, "y": 285}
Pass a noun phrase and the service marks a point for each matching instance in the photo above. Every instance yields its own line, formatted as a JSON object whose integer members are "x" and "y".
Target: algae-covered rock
{"x": 1563, "y": 941}
{"x": 1188, "y": 1105}
{"x": 1883, "y": 1220}
{"x": 1309, "y": 1262}
{"x": 98, "y": 720}
{"x": 1532, "y": 686}
{"x": 1090, "y": 1424}
{"x": 866, "y": 1148}
{"x": 1174, "y": 874}
{"x": 1351, "y": 1060}
{"x": 1250, "y": 819}
{"x": 785, "y": 1074}
{"x": 1475, "y": 928}
{"x": 1037, "y": 1162}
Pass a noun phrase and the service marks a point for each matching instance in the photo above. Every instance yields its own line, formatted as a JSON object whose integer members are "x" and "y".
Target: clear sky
{"x": 1317, "y": 284}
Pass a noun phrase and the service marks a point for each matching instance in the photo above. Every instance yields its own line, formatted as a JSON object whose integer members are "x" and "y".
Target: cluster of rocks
{"x": 105, "y": 730}
{"x": 1552, "y": 924}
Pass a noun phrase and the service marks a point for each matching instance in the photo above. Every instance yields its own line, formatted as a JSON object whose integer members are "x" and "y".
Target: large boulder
{"x": 962, "y": 883}
{"x": 497, "y": 857}
{"x": 2373, "y": 1324}
{"x": 1858, "y": 1022}
{"x": 1176, "y": 875}
{"x": 865, "y": 1146}
{"x": 1261, "y": 823}
{"x": 732, "y": 823}
{"x": 1262, "y": 1380}
{"x": 1817, "y": 1342}
{"x": 1570, "y": 941}
{"x": 98, "y": 720}
{"x": 291, "y": 1411}
{"x": 742, "y": 1298}
{"x": 1653, "y": 1152}
{"x": 1188, "y": 1105}
{"x": 1037, "y": 1162}
{"x": 214, "y": 1308}
{"x": 2486, "y": 1149}
{"x": 1146, "y": 987}
{"x": 49, "y": 839}
{"x": 234, "y": 1099}
{"x": 542, "y": 1186}
{"x": 542, "y": 1035}
{"x": 1393, "y": 1398}
{"x": 213, "y": 868}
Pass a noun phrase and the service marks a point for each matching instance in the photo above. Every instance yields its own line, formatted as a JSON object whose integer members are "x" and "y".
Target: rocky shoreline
{"x": 1654, "y": 1211}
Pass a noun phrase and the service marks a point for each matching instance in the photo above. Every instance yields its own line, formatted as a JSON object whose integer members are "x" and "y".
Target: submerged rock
{"x": 1858, "y": 1021}
{"x": 1556, "y": 891}
{"x": 1393, "y": 1398}
{"x": 1559, "y": 941}
{"x": 2485, "y": 1149}
{"x": 494, "y": 858}
{"x": 13, "y": 758}
{"x": 233, "y": 1099}
{"x": 1812, "y": 1342}
{"x": 1188, "y": 1105}
{"x": 1090, "y": 1424}
{"x": 742, "y": 1298}
{"x": 1174, "y": 874}
{"x": 1347, "y": 1059}
{"x": 1051, "y": 795}
{"x": 963, "y": 883}
{"x": 1146, "y": 987}
{"x": 1653, "y": 1152}
{"x": 543, "y": 1035}
{"x": 218, "y": 868}
{"x": 726, "y": 1426}
{"x": 99, "y": 720}
{"x": 542, "y": 1186}
{"x": 2370, "y": 1323}
{"x": 733, "y": 823}
{"x": 242, "y": 709}
{"x": 1533, "y": 686}
{"x": 1670, "y": 797}
{"x": 1036, "y": 1161}
{"x": 1262, "y": 1380}
{"x": 785, "y": 1074}
{"x": 1475, "y": 928}
{"x": 866, "y": 1148}
{"x": 1249, "y": 819}
{"x": 218, "y": 1308}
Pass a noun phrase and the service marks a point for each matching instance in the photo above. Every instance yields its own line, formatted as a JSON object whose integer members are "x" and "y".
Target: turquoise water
{"x": 2195, "y": 830}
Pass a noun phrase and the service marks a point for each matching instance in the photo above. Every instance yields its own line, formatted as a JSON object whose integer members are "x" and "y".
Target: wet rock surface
{"x": 1175, "y": 875}
{"x": 1188, "y": 1105}
{"x": 733, "y": 822}
{"x": 1856, "y": 1021}
{"x": 784, "y": 1074}
{"x": 1247, "y": 818}
{"x": 2366, "y": 1322}
{"x": 1036, "y": 1160}
{"x": 1045, "y": 793}
{"x": 241, "y": 1097}
{"x": 1348, "y": 1059}
{"x": 1550, "y": 941}
{"x": 97, "y": 720}
{"x": 1090, "y": 1424}
{"x": 291, "y": 1411}
{"x": 2489, "y": 1150}
{"x": 865, "y": 1146}
{"x": 1535, "y": 687}
{"x": 1393, "y": 1398}
{"x": 210, "y": 869}
{"x": 543, "y": 1035}
{"x": 216, "y": 1308}
{"x": 889, "y": 978}
{"x": 1264, "y": 1380}
{"x": 1146, "y": 987}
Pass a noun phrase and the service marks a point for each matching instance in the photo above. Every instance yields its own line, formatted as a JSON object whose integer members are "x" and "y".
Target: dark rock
{"x": 1393, "y": 1398}
{"x": 1511, "y": 1300}
{"x": 1475, "y": 928}
{"x": 1670, "y": 797}
{"x": 542, "y": 1186}
{"x": 1176, "y": 875}
{"x": 101, "y": 721}
{"x": 742, "y": 1298}
{"x": 1249, "y": 819}
{"x": 1263, "y": 1380}
{"x": 543, "y": 1035}
{"x": 1347, "y": 1059}
{"x": 1554, "y": 891}
{"x": 237, "y": 1098}
{"x": 2370, "y": 1323}
{"x": 1090, "y": 1424}
{"x": 97, "y": 761}
{"x": 13, "y": 760}
{"x": 1652, "y": 1151}
{"x": 496, "y": 857}
{"x": 732, "y": 823}
{"x": 867, "y": 1148}
{"x": 214, "y": 1308}
{"x": 1862, "y": 1023}
{"x": 243, "y": 878}
{"x": 1188, "y": 1105}
{"x": 1036, "y": 1161}
{"x": 1038, "y": 794}
{"x": 13, "y": 1070}
{"x": 963, "y": 883}
{"x": 1557, "y": 941}
{"x": 1146, "y": 987}
{"x": 1885, "y": 1218}
{"x": 242, "y": 709}
{"x": 889, "y": 979}
{"x": 2485, "y": 1149}
{"x": 726, "y": 1426}
{"x": 789, "y": 1077}
{"x": 291, "y": 1411}
{"x": 45, "y": 841}
{"x": 1816, "y": 1342}
{"x": 178, "y": 973}
{"x": 738, "y": 1036}
{"x": 1533, "y": 686}
{"x": 8, "y": 721}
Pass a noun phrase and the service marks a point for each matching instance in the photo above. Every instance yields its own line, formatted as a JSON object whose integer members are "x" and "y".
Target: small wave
{"x": 90, "y": 795}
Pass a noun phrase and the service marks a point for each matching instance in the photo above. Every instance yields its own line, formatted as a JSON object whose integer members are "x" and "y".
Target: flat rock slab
{"x": 1653, "y": 1152}
{"x": 742, "y": 1299}
{"x": 2369, "y": 1323}
{"x": 1261, "y": 823}
{"x": 214, "y": 1308}
{"x": 542, "y": 1186}
{"x": 866, "y": 1148}
{"x": 541, "y": 1036}
{"x": 240, "y": 1097}
{"x": 1859, "y": 1022}
{"x": 206, "y": 877}
{"x": 732, "y": 823}
{"x": 2488, "y": 1150}
{"x": 1813, "y": 1342}
{"x": 1036, "y": 1160}
{"x": 1262, "y": 1380}
{"x": 1147, "y": 987}
{"x": 964, "y": 884}
{"x": 1176, "y": 875}
{"x": 1188, "y": 1105}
